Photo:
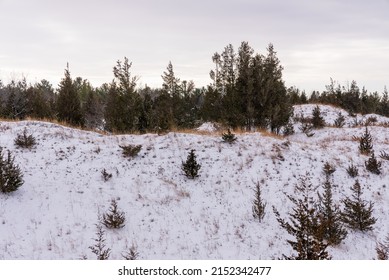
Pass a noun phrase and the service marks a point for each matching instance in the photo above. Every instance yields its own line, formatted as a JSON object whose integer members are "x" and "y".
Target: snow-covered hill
{"x": 53, "y": 215}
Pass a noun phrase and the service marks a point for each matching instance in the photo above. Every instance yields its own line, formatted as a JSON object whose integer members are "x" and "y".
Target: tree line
{"x": 247, "y": 91}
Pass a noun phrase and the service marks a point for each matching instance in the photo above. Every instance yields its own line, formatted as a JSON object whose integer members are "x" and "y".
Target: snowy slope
{"x": 53, "y": 215}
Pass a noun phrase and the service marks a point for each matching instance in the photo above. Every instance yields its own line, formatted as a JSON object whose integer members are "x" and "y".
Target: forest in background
{"x": 247, "y": 92}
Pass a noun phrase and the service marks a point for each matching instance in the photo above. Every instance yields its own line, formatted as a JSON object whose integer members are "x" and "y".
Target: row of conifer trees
{"x": 247, "y": 90}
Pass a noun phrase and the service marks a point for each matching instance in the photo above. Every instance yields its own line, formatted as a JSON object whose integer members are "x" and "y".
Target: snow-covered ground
{"x": 53, "y": 215}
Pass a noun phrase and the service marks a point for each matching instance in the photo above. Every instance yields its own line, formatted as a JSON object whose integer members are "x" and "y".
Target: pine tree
{"x": 11, "y": 177}
{"x": 191, "y": 167}
{"x": 68, "y": 102}
{"x": 258, "y": 204}
{"x": 317, "y": 119}
{"x": 132, "y": 253}
{"x": 229, "y": 137}
{"x": 114, "y": 218}
{"x": 373, "y": 165}
{"x": 25, "y": 140}
{"x": 305, "y": 226}
{"x": 124, "y": 104}
{"x": 340, "y": 120}
{"x": 99, "y": 248}
{"x": 382, "y": 249}
{"x": 365, "y": 143}
{"x": 330, "y": 216}
{"x": 357, "y": 212}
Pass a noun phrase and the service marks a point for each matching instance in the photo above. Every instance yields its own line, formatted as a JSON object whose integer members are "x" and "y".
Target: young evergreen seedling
{"x": 191, "y": 167}
{"x": 229, "y": 137}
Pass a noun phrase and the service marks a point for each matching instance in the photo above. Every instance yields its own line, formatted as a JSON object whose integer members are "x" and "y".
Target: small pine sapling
{"x": 357, "y": 213}
{"x": 340, "y": 120}
{"x": 106, "y": 176}
{"x": 373, "y": 165}
{"x": 258, "y": 204}
{"x": 130, "y": 151}
{"x": 384, "y": 155}
{"x": 131, "y": 254}
{"x": 365, "y": 143}
{"x": 382, "y": 249}
{"x": 99, "y": 248}
{"x": 317, "y": 119}
{"x": 328, "y": 169}
{"x": 352, "y": 170}
{"x": 229, "y": 137}
{"x": 11, "y": 176}
{"x": 114, "y": 218}
{"x": 191, "y": 167}
{"x": 26, "y": 141}
{"x": 307, "y": 129}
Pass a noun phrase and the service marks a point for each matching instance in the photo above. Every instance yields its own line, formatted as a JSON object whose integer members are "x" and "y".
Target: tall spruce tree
{"x": 357, "y": 213}
{"x": 68, "y": 102}
{"x": 124, "y": 104}
{"x": 304, "y": 226}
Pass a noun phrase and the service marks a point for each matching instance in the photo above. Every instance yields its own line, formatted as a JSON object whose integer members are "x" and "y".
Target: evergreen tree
{"x": 25, "y": 140}
{"x": 191, "y": 167}
{"x": 123, "y": 102}
{"x": 330, "y": 216}
{"x": 229, "y": 137}
{"x": 382, "y": 249}
{"x": 11, "y": 177}
{"x": 340, "y": 120}
{"x": 99, "y": 248}
{"x": 357, "y": 212}
{"x": 373, "y": 165}
{"x": 365, "y": 143}
{"x": 304, "y": 226}
{"x": 68, "y": 102}
{"x": 114, "y": 218}
{"x": 258, "y": 204}
{"x": 317, "y": 119}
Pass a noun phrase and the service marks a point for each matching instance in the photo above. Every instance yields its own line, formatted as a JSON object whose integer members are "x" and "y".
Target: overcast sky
{"x": 315, "y": 40}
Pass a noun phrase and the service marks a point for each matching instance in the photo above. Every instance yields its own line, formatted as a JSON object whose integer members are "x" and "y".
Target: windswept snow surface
{"x": 53, "y": 215}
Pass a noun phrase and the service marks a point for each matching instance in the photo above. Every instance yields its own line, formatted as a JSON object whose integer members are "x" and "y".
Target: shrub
{"x": 131, "y": 150}
{"x": 25, "y": 140}
{"x": 229, "y": 137}
{"x": 11, "y": 177}
{"x": 114, "y": 218}
{"x": 191, "y": 167}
